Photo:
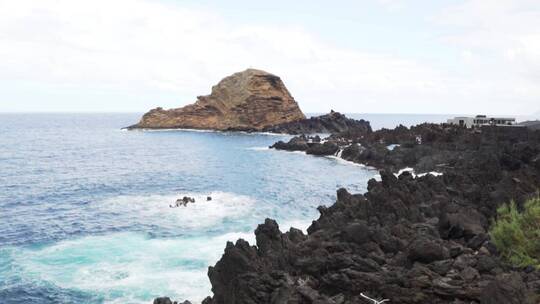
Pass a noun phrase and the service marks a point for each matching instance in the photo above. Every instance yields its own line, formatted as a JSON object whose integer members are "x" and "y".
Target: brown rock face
{"x": 248, "y": 100}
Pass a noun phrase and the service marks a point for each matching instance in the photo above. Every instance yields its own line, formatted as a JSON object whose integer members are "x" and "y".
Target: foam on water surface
{"x": 125, "y": 267}
{"x": 338, "y": 159}
{"x": 157, "y": 210}
{"x": 259, "y": 148}
{"x": 209, "y": 131}
{"x": 414, "y": 174}
{"x": 135, "y": 267}
{"x": 392, "y": 146}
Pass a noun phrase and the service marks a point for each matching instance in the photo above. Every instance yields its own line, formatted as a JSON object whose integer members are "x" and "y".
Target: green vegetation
{"x": 517, "y": 234}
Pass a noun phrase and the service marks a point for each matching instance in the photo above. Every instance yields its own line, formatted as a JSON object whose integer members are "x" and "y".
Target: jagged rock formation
{"x": 334, "y": 122}
{"x": 410, "y": 240}
{"x": 167, "y": 300}
{"x": 250, "y": 100}
{"x": 308, "y": 144}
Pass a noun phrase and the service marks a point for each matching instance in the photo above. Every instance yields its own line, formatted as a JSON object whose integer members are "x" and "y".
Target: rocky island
{"x": 251, "y": 100}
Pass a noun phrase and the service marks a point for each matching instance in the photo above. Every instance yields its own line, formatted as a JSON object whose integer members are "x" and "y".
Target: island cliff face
{"x": 251, "y": 100}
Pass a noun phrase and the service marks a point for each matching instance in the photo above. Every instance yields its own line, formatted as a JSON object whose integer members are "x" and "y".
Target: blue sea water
{"x": 84, "y": 206}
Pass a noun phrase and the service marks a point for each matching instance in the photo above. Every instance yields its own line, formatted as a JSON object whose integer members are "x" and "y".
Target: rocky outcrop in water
{"x": 308, "y": 144}
{"x": 333, "y": 122}
{"x": 251, "y": 100}
{"x": 410, "y": 240}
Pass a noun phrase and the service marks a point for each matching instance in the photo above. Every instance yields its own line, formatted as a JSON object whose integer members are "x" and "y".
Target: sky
{"x": 357, "y": 56}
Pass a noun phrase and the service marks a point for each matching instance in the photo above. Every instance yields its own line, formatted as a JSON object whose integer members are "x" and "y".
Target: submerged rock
{"x": 251, "y": 100}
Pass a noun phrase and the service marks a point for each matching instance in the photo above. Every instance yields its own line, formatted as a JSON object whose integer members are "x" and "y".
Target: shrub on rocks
{"x": 517, "y": 234}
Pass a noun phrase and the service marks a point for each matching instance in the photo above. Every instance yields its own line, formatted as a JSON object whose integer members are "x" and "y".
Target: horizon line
{"x": 318, "y": 113}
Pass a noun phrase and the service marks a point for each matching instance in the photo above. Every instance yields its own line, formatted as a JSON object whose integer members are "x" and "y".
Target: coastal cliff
{"x": 250, "y": 100}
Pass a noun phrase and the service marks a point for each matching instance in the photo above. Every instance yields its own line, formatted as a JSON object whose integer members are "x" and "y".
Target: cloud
{"x": 392, "y": 5}
{"x": 501, "y": 43}
{"x": 140, "y": 48}
{"x": 137, "y": 45}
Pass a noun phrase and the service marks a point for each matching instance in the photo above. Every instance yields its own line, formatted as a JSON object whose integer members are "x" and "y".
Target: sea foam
{"x": 156, "y": 209}
{"x": 126, "y": 267}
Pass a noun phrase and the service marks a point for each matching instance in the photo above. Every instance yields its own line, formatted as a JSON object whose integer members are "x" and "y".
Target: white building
{"x": 482, "y": 120}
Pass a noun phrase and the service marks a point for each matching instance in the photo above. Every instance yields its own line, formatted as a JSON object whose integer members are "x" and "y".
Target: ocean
{"x": 85, "y": 212}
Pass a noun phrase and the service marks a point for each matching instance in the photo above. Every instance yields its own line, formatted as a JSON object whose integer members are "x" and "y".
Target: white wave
{"x": 298, "y": 152}
{"x": 175, "y": 129}
{"x": 377, "y": 177}
{"x": 156, "y": 209}
{"x": 407, "y": 169}
{"x": 392, "y": 147}
{"x": 348, "y": 162}
{"x": 414, "y": 174}
{"x": 336, "y": 158}
{"x": 258, "y": 148}
{"x": 266, "y": 133}
{"x": 127, "y": 267}
{"x": 225, "y": 132}
{"x": 434, "y": 173}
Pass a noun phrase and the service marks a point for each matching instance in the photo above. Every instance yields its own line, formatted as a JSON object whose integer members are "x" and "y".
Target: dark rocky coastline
{"x": 409, "y": 239}
{"x": 333, "y": 122}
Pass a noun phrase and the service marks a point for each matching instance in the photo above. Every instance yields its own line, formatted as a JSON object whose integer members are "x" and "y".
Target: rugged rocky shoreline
{"x": 333, "y": 122}
{"x": 408, "y": 239}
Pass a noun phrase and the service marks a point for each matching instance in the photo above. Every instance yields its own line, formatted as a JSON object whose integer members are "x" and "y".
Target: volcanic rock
{"x": 505, "y": 289}
{"x": 410, "y": 239}
{"x": 327, "y": 148}
{"x": 333, "y": 122}
{"x": 163, "y": 300}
